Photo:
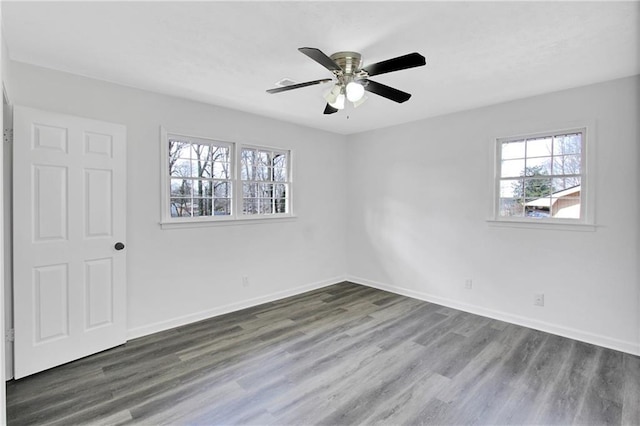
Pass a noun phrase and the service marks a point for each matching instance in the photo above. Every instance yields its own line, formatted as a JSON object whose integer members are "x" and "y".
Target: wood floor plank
{"x": 531, "y": 388}
{"x": 631, "y": 403}
{"x": 569, "y": 388}
{"x": 342, "y": 354}
{"x": 400, "y": 407}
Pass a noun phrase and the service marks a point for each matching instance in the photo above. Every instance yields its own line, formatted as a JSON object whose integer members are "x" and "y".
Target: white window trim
{"x": 236, "y": 217}
{"x": 587, "y": 214}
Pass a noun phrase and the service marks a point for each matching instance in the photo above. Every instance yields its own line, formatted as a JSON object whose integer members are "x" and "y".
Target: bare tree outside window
{"x": 264, "y": 175}
{"x": 200, "y": 179}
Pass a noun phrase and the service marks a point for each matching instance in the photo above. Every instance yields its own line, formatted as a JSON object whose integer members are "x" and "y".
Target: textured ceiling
{"x": 229, "y": 53}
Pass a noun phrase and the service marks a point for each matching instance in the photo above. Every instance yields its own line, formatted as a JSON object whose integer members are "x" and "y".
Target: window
{"x": 205, "y": 180}
{"x": 265, "y": 183}
{"x": 199, "y": 177}
{"x": 542, "y": 177}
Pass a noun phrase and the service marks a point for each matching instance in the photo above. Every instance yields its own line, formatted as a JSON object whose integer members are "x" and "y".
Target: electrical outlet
{"x": 538, "y": 299}
{"x": 468, "y": 284}
{"x": 245, "y": 281}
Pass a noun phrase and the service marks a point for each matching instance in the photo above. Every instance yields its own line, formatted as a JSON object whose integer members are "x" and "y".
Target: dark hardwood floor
{"x": 344, "y": 354}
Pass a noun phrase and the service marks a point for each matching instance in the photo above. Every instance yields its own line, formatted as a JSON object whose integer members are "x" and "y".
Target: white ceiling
{"x": 229, "y": 53}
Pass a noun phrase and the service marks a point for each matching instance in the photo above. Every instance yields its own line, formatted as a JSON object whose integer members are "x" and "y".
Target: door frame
{"x": 7, "y": 223}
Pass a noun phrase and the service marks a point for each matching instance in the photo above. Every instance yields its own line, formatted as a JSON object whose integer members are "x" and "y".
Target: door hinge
{"x": 8, "y": 135}
{"x": 10, "y": 335}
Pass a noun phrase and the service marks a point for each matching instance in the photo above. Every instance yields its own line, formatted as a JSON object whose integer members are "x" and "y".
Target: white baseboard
{"x": 572, "y": 333}
{"x": 225, "y": 309}
{"x": 581, "y": 335}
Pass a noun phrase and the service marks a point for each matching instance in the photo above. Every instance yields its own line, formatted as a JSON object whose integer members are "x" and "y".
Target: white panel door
{"x": 69, "y": 177}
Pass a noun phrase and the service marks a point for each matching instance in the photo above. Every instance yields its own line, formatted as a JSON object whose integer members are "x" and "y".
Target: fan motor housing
{"x": 348, "y": 61}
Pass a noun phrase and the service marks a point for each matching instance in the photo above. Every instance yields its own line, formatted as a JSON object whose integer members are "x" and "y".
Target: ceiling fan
{"x": 353, "y": 81}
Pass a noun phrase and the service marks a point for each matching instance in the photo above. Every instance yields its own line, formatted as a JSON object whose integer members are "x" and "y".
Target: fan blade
{"x": 386, "y": 91}
{"x": 396, "y": 64}
{"x": 329, "y": 109}
{"x": 299, "y": 85}
{"x": 321, "y": 58}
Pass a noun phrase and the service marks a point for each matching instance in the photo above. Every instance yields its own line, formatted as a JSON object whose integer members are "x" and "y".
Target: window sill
{"x": 226, "y": 222}
{"x": 539, "y": 224}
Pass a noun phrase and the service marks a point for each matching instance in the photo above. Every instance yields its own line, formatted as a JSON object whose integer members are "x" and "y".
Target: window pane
{"x": 279, "y": 175}
{"x": 249, "y": 190}
{"x": 265, "y": 190}
{"x": 537, "y": 187}
{"x": 180, "y": 187}
{"x": 247, "y": 166}
{"x": 263, "y": 173}
{"x": 562, "y": 184}
{"x": 510, "y": 207}
{"x": 514, "y": 149}
{"x": 538, "y": 147}
{"x": 220, "y": 153}
{"x": 250, "y": 206}
{"x": 512, "y": 168}
{"x": 280, "y": 198}
{"x": 537, "y": 212}
{"x": 538, "y": 166}
{"x": 280, "y": 205}
{"x": 178, "y": 149}
{"x": 566, "y": 198}
{"x": 202, "y": 207}
{"x": 264, "y": 158}
{"x": 567, "y": 144}
{"x": 189, "y": 151}
{"x": 202, "y": 169}
{"x": 247, "y": 171}
{"x": 202, "y": 188}
{"x": 222, "y": 190}
{"x": 567, "y": 165}
{"x": 266, "y": 205}
{"x": 280, "y": 190}
{"x": 221, "y": 170}
{"x": 221, "y": 206}
{"x": 180, "y": 167}
{"x": 280, "y": 161}
{"x": 511, "y": 188}
{"x": 567, "y": 207}
{"x": 201, "y": 151}
{"x": 180, "y": 207}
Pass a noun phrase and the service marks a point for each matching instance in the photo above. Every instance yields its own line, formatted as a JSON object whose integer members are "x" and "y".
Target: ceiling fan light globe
{"x": 332, "y": 95}
{"x": 356, "y": 104}
{"x": 339, "y": 102}
{"x": 355, "y": 91}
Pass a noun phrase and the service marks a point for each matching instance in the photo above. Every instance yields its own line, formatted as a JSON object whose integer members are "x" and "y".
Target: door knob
{"x": 119, "y": 246}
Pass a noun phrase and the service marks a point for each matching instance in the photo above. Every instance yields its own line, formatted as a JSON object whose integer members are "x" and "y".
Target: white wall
{"x": 420, "y": 194}
{"x": 416, "y": 226}
{"x": 180, "y": 275}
